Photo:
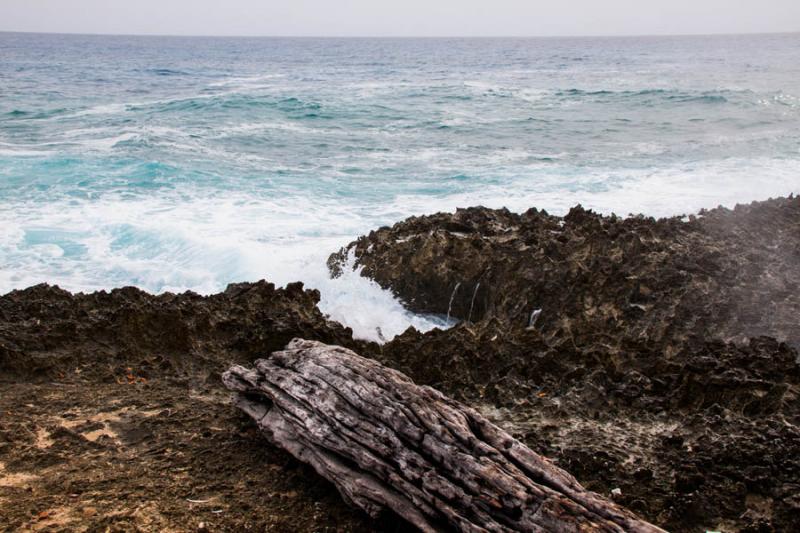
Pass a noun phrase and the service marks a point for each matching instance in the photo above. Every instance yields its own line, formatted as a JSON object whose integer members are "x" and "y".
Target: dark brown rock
{"x": 727, "y": 274}
{"x": 663, "y": 346}
{"x": 45, "y": 330}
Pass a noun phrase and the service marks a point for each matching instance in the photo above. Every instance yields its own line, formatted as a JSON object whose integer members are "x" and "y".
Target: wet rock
{"x": 664, "y": 362}
{"x": 728, "y": 274}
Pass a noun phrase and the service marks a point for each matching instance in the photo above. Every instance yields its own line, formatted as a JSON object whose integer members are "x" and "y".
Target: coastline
{"x": 663, "y": 363}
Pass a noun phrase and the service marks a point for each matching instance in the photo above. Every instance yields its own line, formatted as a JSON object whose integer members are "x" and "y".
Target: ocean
{"x": 177, "y": 164}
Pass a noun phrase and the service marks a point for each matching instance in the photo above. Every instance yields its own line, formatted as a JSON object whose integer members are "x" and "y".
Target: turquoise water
{"x": 189, "y": 163}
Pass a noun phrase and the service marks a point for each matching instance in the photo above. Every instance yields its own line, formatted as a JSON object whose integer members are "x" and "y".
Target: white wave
{"x": 106, "y": 143}
{"x": 247, "y": 81}
{"x": 20, "y": 151}
{"x": 163, "y": 244}
{"x": 260, "y": 127}
{"x": 102, "y": 109}
{"x": 101, "y": 139}
{"x": 532, "y": 96}
{"x": 659, "y": 192}
{"x": 203, "y": 239}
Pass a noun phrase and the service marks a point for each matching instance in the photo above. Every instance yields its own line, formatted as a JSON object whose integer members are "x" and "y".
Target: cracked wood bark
{"x": 386, "y": 442}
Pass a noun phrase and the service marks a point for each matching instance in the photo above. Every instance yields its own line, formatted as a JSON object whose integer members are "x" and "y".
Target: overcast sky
{"x": 400, "y": 17}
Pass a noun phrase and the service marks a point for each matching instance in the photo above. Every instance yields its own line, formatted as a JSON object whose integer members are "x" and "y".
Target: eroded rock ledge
{"x": 725, "y": 274}
{"x": 45, "y": 330}
{"x": 664, "y": 360}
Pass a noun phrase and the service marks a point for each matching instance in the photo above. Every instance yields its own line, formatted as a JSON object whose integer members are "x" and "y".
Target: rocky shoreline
{"x": 657, "y": 359}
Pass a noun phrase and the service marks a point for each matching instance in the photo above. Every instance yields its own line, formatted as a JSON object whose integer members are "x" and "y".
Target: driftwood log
{"x": 386, "y": 442}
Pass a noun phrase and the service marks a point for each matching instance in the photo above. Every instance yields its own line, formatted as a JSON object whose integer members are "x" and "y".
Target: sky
{"x": 401, "y": 17}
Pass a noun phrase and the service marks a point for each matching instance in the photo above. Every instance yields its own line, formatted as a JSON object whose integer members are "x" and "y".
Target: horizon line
{"x": 288, "y": 36}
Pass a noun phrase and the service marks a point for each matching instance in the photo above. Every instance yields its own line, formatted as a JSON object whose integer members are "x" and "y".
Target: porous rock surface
{"x": 664, "y": 360}
{"x": 45, "y": 329}
{"x": 727, "y": 274}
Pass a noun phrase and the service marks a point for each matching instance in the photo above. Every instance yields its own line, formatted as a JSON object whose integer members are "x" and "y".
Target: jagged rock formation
{"x": 726, "y": 274}
{"x": 45, "y": 329}
{"x": 664, "y": 360}
{"x": 387, "y": 443}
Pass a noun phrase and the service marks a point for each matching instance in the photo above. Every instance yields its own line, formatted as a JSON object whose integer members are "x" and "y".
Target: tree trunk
{"x": 386, "y": 442}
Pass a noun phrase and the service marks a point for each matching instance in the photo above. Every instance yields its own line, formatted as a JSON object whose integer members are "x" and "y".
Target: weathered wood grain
{"x": 386, "y": 442}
